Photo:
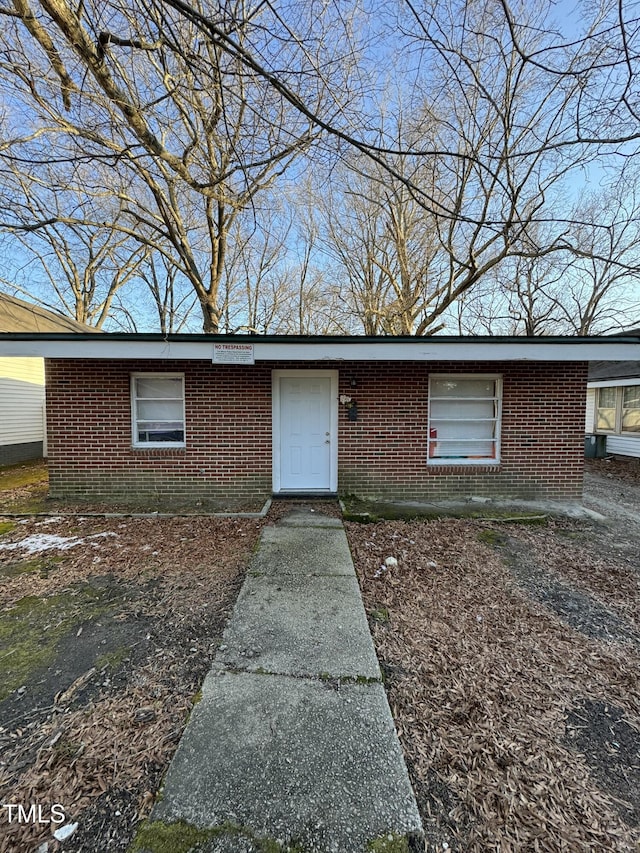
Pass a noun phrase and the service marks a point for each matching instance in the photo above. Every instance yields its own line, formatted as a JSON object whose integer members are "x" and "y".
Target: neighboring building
{"x": 22, "y": 392}
{"x": 613, "y": 406}
{"x": 228, "y": 419}
{"x": 22, "y": 410}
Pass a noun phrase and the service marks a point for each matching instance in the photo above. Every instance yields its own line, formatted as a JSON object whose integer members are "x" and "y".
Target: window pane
{"x": 465, "y": 450}
{"x": 463, "y": 387}
{"x": 160, "y": 425}
{"x": 166, "y": 434}
{"x": 606, "y": 398}
{"x": 606, "y": 419}
{"x": 606, "y": 410}
{"x": 463, "y": 409}
{"x": 459, "y": 430}
{"x": 153, "y": 387}
{"x": 631, "y": 409}
{"x": 160, "y": 410}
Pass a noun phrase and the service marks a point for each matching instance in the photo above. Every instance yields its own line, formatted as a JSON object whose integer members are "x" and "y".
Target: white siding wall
{"x": 590, "y": 416}
{"x": 21, "y": 400}
{"x": 624, "y": 445}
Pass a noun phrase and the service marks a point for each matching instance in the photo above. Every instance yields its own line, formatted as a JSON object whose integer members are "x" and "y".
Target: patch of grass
{"x": 44, "y": 565}
{"x": 66, "y": 750}
{"x": 360, "y": 517}
{"x": 492, "y": 537}
{"x": 159, "y": 837}
{"x": 337, "y": 680}
{"x": 570, "y": 534}
{"x": 24, "y": 487}
{"x": 391, "y": 843}
{"x": 114, "y": 659}
{"x": 26, "y": 644}
{"x": 380, "y": 614}
{"x": 6, "y": 526}
{"x": 181, "y": 837}
{"x": 23, "y": 474}
{"x": 31, "y": 630}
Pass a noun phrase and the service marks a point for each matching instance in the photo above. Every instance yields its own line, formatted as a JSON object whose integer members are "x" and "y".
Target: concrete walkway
{"x": 292, "y": 746}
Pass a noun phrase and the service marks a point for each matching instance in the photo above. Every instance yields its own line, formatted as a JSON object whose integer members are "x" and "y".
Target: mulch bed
{"x": 521, "y": 732}
{"x": 510, "y": 654}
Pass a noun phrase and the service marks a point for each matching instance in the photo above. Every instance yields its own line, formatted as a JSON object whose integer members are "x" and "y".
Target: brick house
{"x": 225, "y": 419}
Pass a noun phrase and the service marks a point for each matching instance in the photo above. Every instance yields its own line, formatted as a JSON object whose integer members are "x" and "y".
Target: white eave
{"x": 296, "y": 349}
{"x": 608, "y": 383}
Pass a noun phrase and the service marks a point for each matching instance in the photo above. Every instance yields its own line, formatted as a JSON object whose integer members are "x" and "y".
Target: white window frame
{"x": 462, "y": 460}
{"x": 618, "y": 410}
{"x": 144, "y": 445}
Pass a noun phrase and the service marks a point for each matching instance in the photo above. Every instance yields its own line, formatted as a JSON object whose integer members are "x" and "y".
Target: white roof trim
{"x": 609, "y": 383}
{"x": 420, "y": 349}
{"x": 430, "y": 349}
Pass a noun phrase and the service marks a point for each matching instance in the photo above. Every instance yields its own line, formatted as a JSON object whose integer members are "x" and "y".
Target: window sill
{"x": 488, "y": 467}
{"x": 463, "y": 462}
{"x": 147, "y": 448}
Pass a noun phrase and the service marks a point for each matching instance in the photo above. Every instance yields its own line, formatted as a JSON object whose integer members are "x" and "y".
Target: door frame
{"x": 276, "y": 376}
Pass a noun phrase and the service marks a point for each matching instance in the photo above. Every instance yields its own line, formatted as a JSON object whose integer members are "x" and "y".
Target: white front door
{"x": 305, "y": 420}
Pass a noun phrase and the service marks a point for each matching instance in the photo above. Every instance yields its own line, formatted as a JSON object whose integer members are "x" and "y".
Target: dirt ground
{"x": 510, "y": 653}
{"x": 107, "y": 629}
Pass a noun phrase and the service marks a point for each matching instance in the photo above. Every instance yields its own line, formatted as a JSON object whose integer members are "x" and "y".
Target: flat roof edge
{"x": 317, "y": 340}
{"x": 296, "y": 349}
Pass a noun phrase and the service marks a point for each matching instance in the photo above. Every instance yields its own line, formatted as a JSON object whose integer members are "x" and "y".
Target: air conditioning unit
{"x": 595, "y": 446}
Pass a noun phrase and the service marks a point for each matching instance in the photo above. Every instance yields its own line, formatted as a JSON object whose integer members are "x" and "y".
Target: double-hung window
{"x": 157, "y": 409}
{"x": 631, "y": 408}
{"x": 464, "y": 419}
{"x": 618, "y": 409}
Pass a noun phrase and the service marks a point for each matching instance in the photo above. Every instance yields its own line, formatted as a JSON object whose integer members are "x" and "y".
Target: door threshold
{"x": 318, "y": 496}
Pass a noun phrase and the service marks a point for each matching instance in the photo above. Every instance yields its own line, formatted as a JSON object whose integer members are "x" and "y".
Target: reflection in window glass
{"x": 606, "y": 410}
{"x": 631, "y": 409}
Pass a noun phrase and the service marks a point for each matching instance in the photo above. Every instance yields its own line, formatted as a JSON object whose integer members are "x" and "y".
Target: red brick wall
{"x": 542, "y": 447}
{"x": 227, "y": 460}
